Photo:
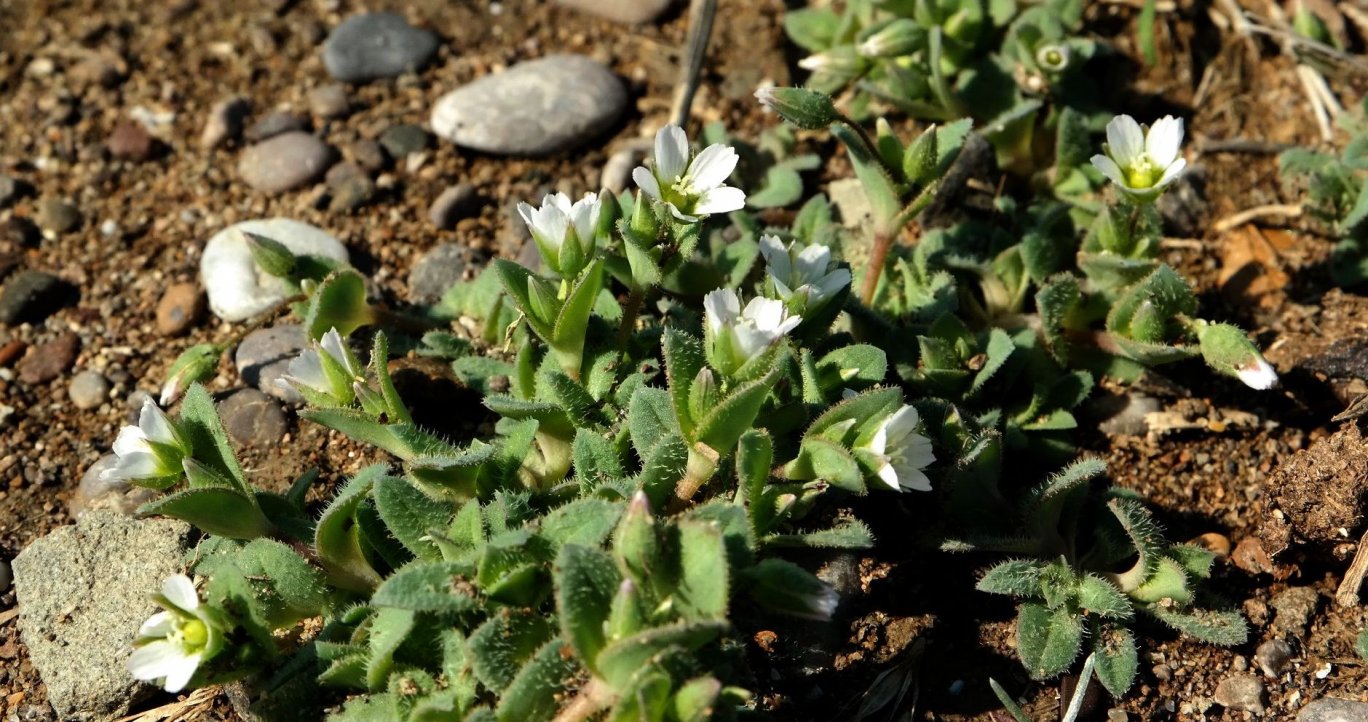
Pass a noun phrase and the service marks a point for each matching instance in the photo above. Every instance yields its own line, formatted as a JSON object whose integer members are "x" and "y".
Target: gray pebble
{"x": 1241, "y": 692}
{"x": 1273, "y": 657}
{"x": 404, "y": 139}
{"x": 436, "y": 271}
{"x": 376, "y": 45}
{"x": 1294, "y": 607}
{"x": 285, "y": 162}
{"x": 31, "y": 296}
{"x": 631, "y": 12}
{"x": 264, "y": 356}
{"x": 253, "y": 418}
{"x": 368, "y": 154}
{"x": 329, "y": 101}
{"x": 1331, "y": 709}
{"x": 275, "y": 123}
{"x": 10, "y": 189}
{"x": 617, "y": 172}
{"x": 224, "y": 122}
{"x": 538, "y": 107}
{"x": 351, "y": 193}
{"x": 88, "y": 389}
{"x": 116, "y": 494}
{"x": 455, "y": 203}
{"x": 56, "y": 216}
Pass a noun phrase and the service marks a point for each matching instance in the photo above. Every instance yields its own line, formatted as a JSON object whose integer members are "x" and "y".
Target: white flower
{"x": 332, "y": 377}
{"x": 1258, "y": 375}
{"x": 694, "y": 188}
{"x": 173, "y": 643}
{"x": 735, "y": 337}
{"x": 149, "y": 451}
{"x": 800, "y": 273}
{"x": 559, "y": 222}
{"x": 1142, "y": 163}
{"x": 900, "y": 453}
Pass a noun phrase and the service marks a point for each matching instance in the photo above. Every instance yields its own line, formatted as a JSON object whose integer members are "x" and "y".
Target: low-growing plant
{"x": 1337, "y": 195}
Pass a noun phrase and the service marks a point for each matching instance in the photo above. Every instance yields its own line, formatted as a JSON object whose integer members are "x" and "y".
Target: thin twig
{"x": 701, "y": 14}
{"x": 1292, "y": 210}
{"x": 1348, "y": 593}
{"x": 1253, "y": 146}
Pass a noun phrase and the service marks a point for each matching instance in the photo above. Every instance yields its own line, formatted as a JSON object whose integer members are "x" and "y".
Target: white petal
{"x": 1260, "y": 376}
{"x": 177, "y": 678}
{"x": 558, "y": 201}
{"x": 158, "y": 625}
{"x": 1163, "y": 140}
{"x": 831, "y": 284}
{"x": 306, "y": 369}
{"x": 750, "y": 341}
{"x": 154, "y": 423}
{"x": 712, "y": 167}
{"x": 685, "y": 217}
{"x": 878, "y": 443}
{"x": 765, "y": 313}
{"x": 585, "y": 214}
{"x": 1171, "y": 173}
{"x": 180, "y": 591}
{"x": 915, "y": 480}
{"x": 776, "y": 258}
{"x": 671, "y": 153}
{"x": 138, "y": 465}
{"x": 646, "y": 181}
{"x": 889, "y": 475}
{"x": 788, "y": 325}
{"x": 131, "y": 440}
{"x": 1125, "y": 140}
{"x": 526, "y": 210}
{"x": 155, "y": 660}
{"x": 720, "y": 200}
{"x": 720, "y": 308}
{"x": 812, "y": 262}
{"x": 334, "y": 346}
{"x": 1109, "y": 169}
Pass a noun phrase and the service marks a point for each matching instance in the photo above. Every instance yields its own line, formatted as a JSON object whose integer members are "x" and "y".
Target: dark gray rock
{"x": 436, "y": 271}
{"x": 11, "y": 189}
{"x": 455, "y": 203}
{"x": 538, "y": 107}
{"x": 84, "y": 590}
{"x": 351, "y": 193}
{"x": 31, "y": 296}
{"x": 264, "y": 356}
{"x": 252, "y": 418}
{"x": 376, "y": 45}
{"x": 1334, "y": 710}
{"x": 285, "y": 162}
{"x": 404, "y": 139}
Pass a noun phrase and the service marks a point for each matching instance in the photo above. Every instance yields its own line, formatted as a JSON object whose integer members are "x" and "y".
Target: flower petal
{"x": 1125, "y": 140}
{"x": 180, "y": 591}
{"x": 671, "y": 153}
{"x": 812, "y": 262}
{"x": 306, "y": 369}
{"x": 776, "y": 258}
{"x": 152, "y": 420}
{"x": 889, "y": 476}
{"x": 1109, "y": 168}
{"x": 1260, "y": 376}
{"x": 720, "y": 308}
{"x": 720, "y": 200}
{"x": 1163, "y": 140}
{"x": 158, "y": 625}
{"x": 915, "y": 480}
{"x": 334, "y": 346}
{"x": 137, "y": 465}
{"x": 131, "y": 440}
{"x": 1171, "y": 174}
{"x": 155, "y": 660}
{"x": 646, "y": 181}
{"x": 712, "y": 167}
{"x": 179, "y": 677}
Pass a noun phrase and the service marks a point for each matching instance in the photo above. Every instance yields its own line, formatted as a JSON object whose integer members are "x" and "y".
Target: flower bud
{"x": 807, "y": 109}
{"x": 195, "y": 364}
{"x": 271, "y": 255}
{"x": 1052, "y": 58}
{"x": 626, "y": 615}
{"x": 898, "y": 38}
{"x": 1226, "y": 349}
{"x": 703, "y": 394}
{"x": 637, "y": 543}
{"x": 921, "y": 159}
{"x": 789, "y": 589}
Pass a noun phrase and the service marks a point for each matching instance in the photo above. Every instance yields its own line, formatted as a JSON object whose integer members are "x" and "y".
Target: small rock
{"x": 97, "y": 70}
{"x": 10, "y": 190}
{"x": 252, "y": 418}
{"x": 351, "y": 193}
{"x": 20, "y": 232}
{"x": 88, "y": 390}
{"x": 136, "y": 400}
{"x": 275, "y": 123}
{"x": 31, "y": 296}
{"x": 538, "y": 107}
{"x": 225, "y": 122}
{"x": 56, "y": 216}
{"x": 436, "y": 272}
{"x": 1242, "y": 693}
{"x": 376, "y": 45}
{"x": 1331, "y": 709}
{"x": 1125, "y": 415}
{"x": 631, "y": 12}
{"x": 404, "y": 139}
{"x": 6, "y": 576}
{"x": 130, "y": 141}
{"x": 264, "y": 356}
{"x": 1294, "y": 607}
{"x": 49, "y": 360}
{"x": 617, "y": 172}
{"x": 1273, "y": 657}
{"x": 285, "y": 162}
{"x": 368, "y": 154}
{"x": 180, "y": 308}
{"x": 237, "y": 288}
{"x": 329, "y": 101}
{"x": 85, "y": 590}
{"x": 455, "y": 203}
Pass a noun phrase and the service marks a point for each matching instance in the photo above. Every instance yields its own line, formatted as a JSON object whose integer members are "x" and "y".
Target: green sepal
{"x": 203, "y": 430}
{"x": 338, "y": 302}
{"x": 736, "y": 413}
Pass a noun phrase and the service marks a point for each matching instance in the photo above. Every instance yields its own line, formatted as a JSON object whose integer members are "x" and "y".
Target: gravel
{"x": 376, "y": 45}
{"x": 88, "y": 389}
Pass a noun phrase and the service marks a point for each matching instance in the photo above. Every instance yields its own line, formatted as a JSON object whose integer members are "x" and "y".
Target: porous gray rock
{"x": 376, "y": 45}
{"x": 437, "y": 271}
{"x": 237, "y": 288}
{"x": 116, "y": 495}
{"x": 83, "y": 591}
{"x": 1241, "y": 692}
{"x": 538, "y": 107}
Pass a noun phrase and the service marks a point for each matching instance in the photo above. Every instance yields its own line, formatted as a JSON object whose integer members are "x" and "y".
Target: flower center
{"x": 193, "y": 634}
{"x": 1143, "y": 173}
{"x": 682, "y": 194}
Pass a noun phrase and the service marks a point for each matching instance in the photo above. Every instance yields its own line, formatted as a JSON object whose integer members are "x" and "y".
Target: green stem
{"x": 702, "y": 464}
{"x": 635, "y": 299}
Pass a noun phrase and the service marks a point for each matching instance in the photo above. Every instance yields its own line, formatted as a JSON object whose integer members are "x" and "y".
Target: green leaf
{"x": 388, "y": 630}
{"x": 1226, "y": 628}
{"x": 199, "y": 421}
{"x": 501, "y": 646}
{"x": 999, "y": 349}
{"x": 856, "y": 367}
{"x": 736, "y": 413}
{"x": 379, "y": 363}
{"x": 683, "y": 360}
{"x": 1102, "y": 598}
{"x": 288, "y": 585}
{"x": 534, "y": 695}
{"x": 703, "y": 582}
{"x": 411, "y": 516}
{"x": 812, "y": 29}
{"x": 754, "y": 457}
{"x": 1117, "y": 659}
{"x": 339, "y": 302}
{"x": 696, "y": 699}
{"x": 1014, "y": 577}
{"x": 596, "y": 460}
{"x": 846, "y": 534}
{"x": 784, "y": 587}
{"x": 573, "y": 321}
{"x": 403, "y": 440}
{"x": 337, "y": 537}
{"x": 437, "y": 587}
{"x": 215, "y": 510}
{"x": 586, "y": 580}
{"x": 580, "y": 408}
{"x": 587, "y": 522}
{"x": 621, "y": 660}
{"x": 650, "y": 420}
{"x": 827, "y": 460}
{"x": 1048, "y": 640}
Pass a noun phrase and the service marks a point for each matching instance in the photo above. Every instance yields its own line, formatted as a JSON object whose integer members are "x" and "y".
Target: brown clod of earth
{"x": 1321, "y": 492}
{"x": 1251, "y": 268}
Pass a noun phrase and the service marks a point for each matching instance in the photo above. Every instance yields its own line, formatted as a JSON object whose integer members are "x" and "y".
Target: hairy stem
{"x": 629, "y": 317}
{"x": 591, "y": 698}
{"x": 702, "y": 465}
{"x": 877, "y": 256}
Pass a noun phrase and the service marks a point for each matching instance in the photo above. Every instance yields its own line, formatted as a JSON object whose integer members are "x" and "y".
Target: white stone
{"x": 236, "y": 287}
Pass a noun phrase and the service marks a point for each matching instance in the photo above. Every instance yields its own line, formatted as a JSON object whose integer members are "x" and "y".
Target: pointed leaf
{"x": 586, "y": 580}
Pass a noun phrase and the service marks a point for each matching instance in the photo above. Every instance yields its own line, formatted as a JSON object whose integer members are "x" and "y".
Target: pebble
{"x": 180, "y": 307}
{"x": 1125, "y": 415}
{"x": 538, "y": 107}
{"x": 436, "y": 271}
{"x": 285, "y": 162}
{"x": 31, "y": 296}
{"x": 50, "y": 359}
{"x": 1241, "y": 692}
{"x": 1331, "y": 709}
{"x": 237, "y": 288}
{"x": 88, "y": 390}
{"x": 376, "y": 45}
{"x": 21, "y": 232}
{"x": 352, "y": 192}
{"x": 1273, "y": 657}
{"x": 455, "y": 203}
{"x": 6, "y": 576}
{"x": 368, "y": 154}
{"x": 275, "y": 123}
{"x": 10, "y": 189}
{"x": 252, "y": 418}
{"x": 264, "y": 356}
{"x": 56, "y": 216}
{"x": 97, "y": 70}
{"x": 130, "y": 141}
{"x": 403, "y": 140}
{"x": 631, "y": 12}
{"x": 1294, "y": 607}
{"x": 329, "y": 101}
{"x": 225, "y": 122}
{"x": 616, "y": 175}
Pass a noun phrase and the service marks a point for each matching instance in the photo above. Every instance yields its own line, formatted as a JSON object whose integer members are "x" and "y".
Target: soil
{"x": 1249, "y": 474}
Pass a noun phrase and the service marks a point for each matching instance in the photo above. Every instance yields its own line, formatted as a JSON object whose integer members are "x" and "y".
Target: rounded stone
{"x": 252, "y": 418}
{"x": 57, "y": 216}
{"x": 329, "y": 101}
{"x": 264, "y": 356}
{"x": 6, "y": 576}
{"x": 238, "y": 289}
{"x": 1241, "y": 692}
{"x": 455, "y": 203}
{"x": 275, "y": 123}
{"x": 285, "y": 162}
{"x": 404, "y": 139}
{"x": 88, "y": 389}
{"x": 436, "y": 272}
{"x": 535, "y": 108}
{"x": 116, "y": 494}
{"x": 130, "y": 141}
{"x": 376, "y": 45}
{"x": 179, "y": 308}
{"x": 631, "y": 12}
{"x": 224, "y": 122}
{"x": 1273, "y": 657}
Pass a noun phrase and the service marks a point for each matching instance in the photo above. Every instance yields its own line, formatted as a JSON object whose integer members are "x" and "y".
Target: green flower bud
{"x": 195, "y": 364}
{"x": 807, "y": 109}
{"x": 922, "y": 158}
{"x": 1226, "y": 349}
{"x": 636, "y": 543}
{"x": 626, "y": 615}
{"x": 271, "y": 255}
{"x": 900, "y": 37}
